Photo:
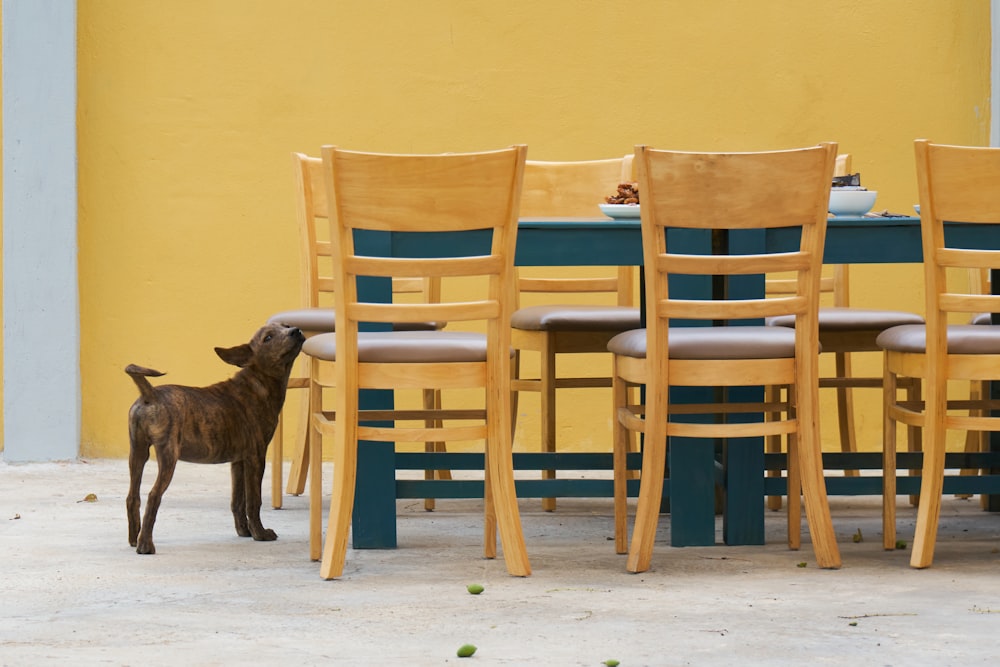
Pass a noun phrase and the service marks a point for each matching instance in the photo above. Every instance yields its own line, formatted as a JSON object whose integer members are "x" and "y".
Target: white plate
{"x": 620, "y": 211}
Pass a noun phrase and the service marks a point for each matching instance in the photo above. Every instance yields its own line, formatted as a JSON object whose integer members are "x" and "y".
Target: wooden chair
{"x": 842, "y": 330}
{"x": 684, "y": 194}
{"x": 419, "y": 193}
{"x": 317, "y": 314}
{"x": 569, "y": 189}
{"x": 957, "y": 184}
{"x": 975, "y": 441}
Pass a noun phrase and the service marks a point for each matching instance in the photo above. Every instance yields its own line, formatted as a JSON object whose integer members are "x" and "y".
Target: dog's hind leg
{"x": 166, "y": 464}
{"x": 137, "y": 458}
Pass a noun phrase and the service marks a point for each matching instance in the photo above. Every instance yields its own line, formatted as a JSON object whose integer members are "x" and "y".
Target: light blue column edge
{"x": 41, "y": 323}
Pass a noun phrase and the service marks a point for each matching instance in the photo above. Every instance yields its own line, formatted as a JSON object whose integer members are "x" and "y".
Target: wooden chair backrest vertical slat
{"x": 716, "y": 191}
{"x": 574, "y": 189}
{"x": 423, "y": 193}
{"x": 958, "y": 184}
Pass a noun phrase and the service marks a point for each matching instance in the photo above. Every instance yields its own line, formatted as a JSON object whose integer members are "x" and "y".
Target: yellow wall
{"x": 188, "y": 112}
{"x": 1, "y": 248}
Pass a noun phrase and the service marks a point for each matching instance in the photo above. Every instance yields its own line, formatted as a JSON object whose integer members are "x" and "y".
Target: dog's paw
{"x": 267, "y": 535}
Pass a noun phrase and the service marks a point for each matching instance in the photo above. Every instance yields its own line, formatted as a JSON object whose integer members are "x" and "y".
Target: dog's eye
{"x": 268, "y": 338}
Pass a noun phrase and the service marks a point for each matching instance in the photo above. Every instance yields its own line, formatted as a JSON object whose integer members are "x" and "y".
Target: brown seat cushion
{"x": 322, "y": 320}
{"x": 713, "y": 343}
{"x": 576, "y": 318}
{"x": 962, "y": 339}
{"x": 401, "y": 347}
{"x": 853, "y": 319}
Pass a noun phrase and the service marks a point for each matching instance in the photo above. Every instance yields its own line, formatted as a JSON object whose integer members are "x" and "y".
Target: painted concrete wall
{"x": 187, "y": 114}
{"x": 41, "y": 321}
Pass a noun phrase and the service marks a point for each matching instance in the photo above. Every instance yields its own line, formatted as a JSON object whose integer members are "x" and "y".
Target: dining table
{"x": 694, "y": 471}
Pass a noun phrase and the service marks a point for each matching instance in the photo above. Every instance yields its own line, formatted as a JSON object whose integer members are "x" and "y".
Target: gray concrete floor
{"x": 73, "y": 591}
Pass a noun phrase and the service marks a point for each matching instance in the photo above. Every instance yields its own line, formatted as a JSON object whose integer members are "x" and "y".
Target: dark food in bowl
{"x": 628, "y": 193}
{"x": 851, "y": 181}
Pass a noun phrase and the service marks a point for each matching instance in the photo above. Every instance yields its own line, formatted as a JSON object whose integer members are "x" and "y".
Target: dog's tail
{"x": 139, "y": 375}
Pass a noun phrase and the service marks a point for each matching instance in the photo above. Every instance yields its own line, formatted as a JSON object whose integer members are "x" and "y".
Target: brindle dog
{"x": 228, "y": 422}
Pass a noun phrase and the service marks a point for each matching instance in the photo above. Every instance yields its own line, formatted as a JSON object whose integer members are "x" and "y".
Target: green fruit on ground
{"x": 475, "y": 589}
{"x": 465, "y": 650}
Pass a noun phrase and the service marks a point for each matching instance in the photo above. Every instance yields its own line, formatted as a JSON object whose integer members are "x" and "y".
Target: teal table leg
{"x": 743, "y": 472}
{"x": 373, "y": 522}
{"x": 692, "y": 492}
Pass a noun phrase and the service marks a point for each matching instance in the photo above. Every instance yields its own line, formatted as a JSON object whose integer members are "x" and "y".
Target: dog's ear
{"x": 236, "y": 356}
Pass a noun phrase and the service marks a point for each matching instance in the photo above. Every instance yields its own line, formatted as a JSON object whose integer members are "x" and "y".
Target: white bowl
{"x": 620, "y": 211}
{"x": 851, "y": 202}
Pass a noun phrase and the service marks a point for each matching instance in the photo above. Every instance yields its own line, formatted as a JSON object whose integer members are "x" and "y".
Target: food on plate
{"x": 848, "y": 182}
{"x": 628, "y": 193}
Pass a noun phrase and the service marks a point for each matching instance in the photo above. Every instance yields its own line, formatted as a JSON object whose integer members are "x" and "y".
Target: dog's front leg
{"x": 253, "y": 475}
{"x": 239, "y": 499}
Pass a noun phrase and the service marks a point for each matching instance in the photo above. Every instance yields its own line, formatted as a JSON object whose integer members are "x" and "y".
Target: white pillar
{"x": 41, "y": 323}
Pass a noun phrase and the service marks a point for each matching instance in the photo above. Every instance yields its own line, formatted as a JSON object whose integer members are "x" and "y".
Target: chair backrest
{"x": 959, "y": 184}
{"x": 979, "y": 281}
{"x": 458, "y": 192}
{"x": 315, "y": 249}
{"x": 711, "y": 192}
{"x": 835, "y": 280}
{"x": 574, "y": 189}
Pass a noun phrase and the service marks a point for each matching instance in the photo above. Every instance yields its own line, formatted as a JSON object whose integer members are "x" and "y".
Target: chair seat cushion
{"x": 713, "y": 343}
{"x": 576, "y": 318}
{"x": 982, "y": 318}
{"x": 402, "y": 347}
{"x": 962, "y": 339}
{"x": 853, "y": 319}
{"x": 322, "y": 320}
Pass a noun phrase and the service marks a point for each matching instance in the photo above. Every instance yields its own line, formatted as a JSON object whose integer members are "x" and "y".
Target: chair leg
{"x": 432, "y": 401}
{"x": 794, "y": 482}
{"x": 621, "y": 444}
{"x": 813, "y": 483}
{"x": 500, "y": 472}
{"x": 632, "y": 439}
{"x": 889, "y": 389}
{"x": 300, "y": 459}
{"x": 489, "y": 509}
{"x": 845, "y": 411}
{"x": 914, "y": 441}
{"x": 315, "y": 465}
{"x": 547, "y": 376}
{"x": 345, "y": 469}
{"x": 515, "y": 374}
{"x": 654, "y": 461}
{"x": 932, "y": 479}
{"x": 277, "y": 456}
{"x": 794, "y": 495}
{"x": 973, "y": 439}
{"x": 772, "y": 443}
